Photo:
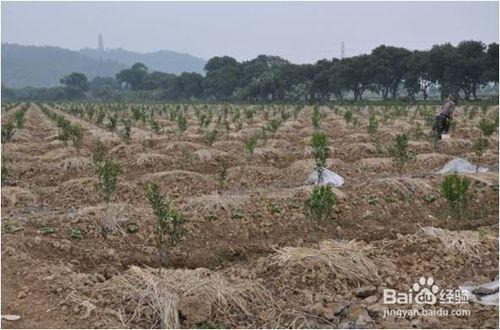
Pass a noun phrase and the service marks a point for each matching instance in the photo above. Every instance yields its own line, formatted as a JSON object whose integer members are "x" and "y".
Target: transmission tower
{"x": 342, "y": 51}
{"x": 100, "y": 44}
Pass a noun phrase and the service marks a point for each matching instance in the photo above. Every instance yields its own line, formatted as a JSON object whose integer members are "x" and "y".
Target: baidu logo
{"x": 424, "y": 292}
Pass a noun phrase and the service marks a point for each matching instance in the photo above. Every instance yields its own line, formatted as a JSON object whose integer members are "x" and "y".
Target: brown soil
{"x": 250, "y": 243}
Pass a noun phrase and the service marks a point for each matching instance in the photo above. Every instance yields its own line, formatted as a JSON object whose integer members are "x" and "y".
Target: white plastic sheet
{"x": 490, "y": 299}
{"x": 327, "y": 178}
{"x": 460, "y": 165}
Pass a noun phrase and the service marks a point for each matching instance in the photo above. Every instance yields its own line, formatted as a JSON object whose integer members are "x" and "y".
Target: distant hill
{"x": 43, "y": 66}
{"x": 163, "y": 60}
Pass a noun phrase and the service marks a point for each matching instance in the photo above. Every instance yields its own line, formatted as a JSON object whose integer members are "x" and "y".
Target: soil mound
{"x": 160, "y": 298}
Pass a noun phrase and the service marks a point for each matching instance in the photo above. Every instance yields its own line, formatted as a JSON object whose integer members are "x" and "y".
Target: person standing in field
{"x": 442, "y": 121}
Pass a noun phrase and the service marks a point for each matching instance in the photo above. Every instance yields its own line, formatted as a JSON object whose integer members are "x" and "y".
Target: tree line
{"x": 390, "y": 72}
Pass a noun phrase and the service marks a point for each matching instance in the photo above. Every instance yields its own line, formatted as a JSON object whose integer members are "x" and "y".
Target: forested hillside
{"x": 163, "y": 60}
{"x": 35, "y": 66}
{"x": 43, "y": 66}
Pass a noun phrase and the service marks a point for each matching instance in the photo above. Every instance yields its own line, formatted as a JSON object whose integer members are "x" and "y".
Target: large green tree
{"x": 75, "y": 80}
{"x": 471, "y": 55}
{"x": 133, "y": 77}
{"x": 222, "y": 78}
{"x": 445, "y": 69}
{"x": 320, "y": 86}
{"x": 490, "y": 72}
{"x": 255, "y": 68}
{"x": 451, "y": 70}
{"x": 356, "y": 74}
{"x": 390, "y": 65}
{"x": 418, "y": 76}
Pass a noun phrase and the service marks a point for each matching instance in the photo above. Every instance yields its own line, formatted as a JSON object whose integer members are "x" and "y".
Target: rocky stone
{"x": 345, "y": 325}
{"x": 370, "y": 300}
{"x": 365, "y": 291}
{"x": 389, "y": 282}
{"x": 375, "y": 310}
{"x": 317, "y": 309}
{"x": 481, "y": 291}
{"x": 49, "y": 278}
{"x": 38, "y": 240}
{"x": 359, "y": 315}
{"x": 22, "y": 294}
{"x": 10, "y": 317}
{"x": 338, "y": 307}
{"x": 416, "y": 324}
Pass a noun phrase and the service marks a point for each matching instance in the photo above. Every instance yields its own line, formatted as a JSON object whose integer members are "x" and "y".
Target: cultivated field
{"x": 241, "y": 243}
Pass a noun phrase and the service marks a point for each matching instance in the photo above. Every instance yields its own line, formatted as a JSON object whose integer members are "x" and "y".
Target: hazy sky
{"x": 298, "y": 31}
